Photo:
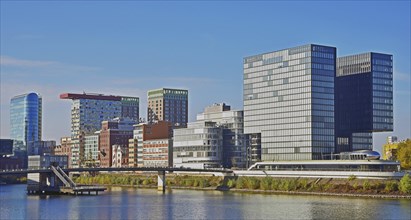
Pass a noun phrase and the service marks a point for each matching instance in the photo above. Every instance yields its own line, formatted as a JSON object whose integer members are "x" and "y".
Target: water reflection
{"x": 132, "y": 203}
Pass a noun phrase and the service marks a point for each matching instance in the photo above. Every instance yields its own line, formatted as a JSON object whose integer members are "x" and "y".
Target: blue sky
{"x": 127, "y": 48}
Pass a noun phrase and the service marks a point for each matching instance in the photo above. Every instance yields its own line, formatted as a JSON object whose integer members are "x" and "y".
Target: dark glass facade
{"x": 364, "y": 99}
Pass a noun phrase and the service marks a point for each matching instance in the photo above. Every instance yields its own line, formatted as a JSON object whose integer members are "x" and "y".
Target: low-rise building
{"x": 158, "y": 153}
{"x": 64, "y": 149}
{"x": 120, "y": 156}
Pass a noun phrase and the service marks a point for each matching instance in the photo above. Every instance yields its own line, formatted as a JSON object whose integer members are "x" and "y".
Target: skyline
{"x": 180, "y": 45}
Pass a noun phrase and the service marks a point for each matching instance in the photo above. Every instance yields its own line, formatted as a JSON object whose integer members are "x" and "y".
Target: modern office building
{"x": 91, "y": 149}
{"x": 200, "y": 145}
{"x": 40, "y": 147}
{"x": 114, "y": 132}
{"x": 289, "y": 102}
{"x": 363, "y": 99}
{"x": 234, "y": 140}
{"x": 89, "y": 110}
{"x": 25, "y": 120}
{"x": 6, "y": 147}
{"x": 168, "y": 105}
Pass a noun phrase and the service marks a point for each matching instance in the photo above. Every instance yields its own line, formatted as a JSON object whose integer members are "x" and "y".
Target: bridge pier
{"x": 161, "y": 181}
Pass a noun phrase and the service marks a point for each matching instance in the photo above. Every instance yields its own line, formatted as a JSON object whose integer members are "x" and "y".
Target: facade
{"x": 25, "y": 120}
{"x": 120, "y": 156}
{"x": 113, "y": 132}
{"x": 289, "y": 103}
{"x": 200, "y": 145}
{"x": 150, "y": 141}
{"x": 89, "y": 110}
{"x": 158, "y": 153}
{"x": 64, "y": 149}
{"x": 132, "y": 152}
{"x": 41, "y": 147}
{"x": 6, "y": 147}
{"x": 234, "y": 140}
{"x": 364, "y": 99}
{"x": 44, "y": 161}
{"x": 168, "y": 105}
{"x": 91, "y": 149}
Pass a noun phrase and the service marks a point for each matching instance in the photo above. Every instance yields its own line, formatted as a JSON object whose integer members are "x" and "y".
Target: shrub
{"x": 252, "y": 183}
{"x": 405, "y": 184}
{"x": 275, "y": 184}
{"x": 391, "y": 186}
{"x": 303, "y": 184}
{"x": 355, "y": 185}
{"x": 352, "y": 177}
{"x": 265, "y": 183}
{"x": 240, "y": 183}
{"x": 366, "y": 185}
{"x": 231, "y": 183}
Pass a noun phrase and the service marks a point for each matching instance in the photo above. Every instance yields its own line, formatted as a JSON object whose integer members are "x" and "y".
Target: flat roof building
{"x": 89, "y": 110}
{"x": 168, "y": 105}
{"x": 364, "y": 99}
{"x": 289, "y": 102}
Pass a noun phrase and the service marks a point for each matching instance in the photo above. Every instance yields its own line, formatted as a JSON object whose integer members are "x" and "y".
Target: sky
{"x": 129, "y": 47}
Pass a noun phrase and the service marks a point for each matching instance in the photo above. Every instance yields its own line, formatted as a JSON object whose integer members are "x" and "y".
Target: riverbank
{"x": 325, "y": 187}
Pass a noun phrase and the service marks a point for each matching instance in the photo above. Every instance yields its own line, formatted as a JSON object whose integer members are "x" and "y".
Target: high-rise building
{"x": 289, "y": 102}
{"x": 168, "y": 105}
{"x": 89, "y": 110}
{"x": 25, "y": 120}
{"x": 363, "y": 99}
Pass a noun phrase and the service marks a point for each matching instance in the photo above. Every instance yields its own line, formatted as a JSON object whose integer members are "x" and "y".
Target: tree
{"x": 404, "y": 154}
{"x": 405, "y": 184}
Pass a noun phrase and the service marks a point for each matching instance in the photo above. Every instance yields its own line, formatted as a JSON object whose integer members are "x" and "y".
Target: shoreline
{"x": 272, "y": 192}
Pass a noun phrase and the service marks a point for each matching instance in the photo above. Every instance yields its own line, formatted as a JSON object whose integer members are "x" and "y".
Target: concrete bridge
{"x": 56, "y": 180}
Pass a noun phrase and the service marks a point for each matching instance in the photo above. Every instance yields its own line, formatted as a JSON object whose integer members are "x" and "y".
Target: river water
{"x": 132, "y": 203}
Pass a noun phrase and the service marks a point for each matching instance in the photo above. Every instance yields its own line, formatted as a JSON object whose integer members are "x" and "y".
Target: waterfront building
{"x": 289, "y": 103}
{"x": 64, "y": 149}
{"x": 392, "y": 139}
{"x": 132, "y": 152}
{"x": 91, "y": 149}
{"x": 25, "y": 120}
{"x": 41, "y": 147}
{"x": 200, "y": 145}
{"x": 7, "y": 160}
{"x": 363, "y": 99}
{"x": 234, "y": 140}
{"x": 89, "y": 110}
{"x": 152, "y": 144}
{"x": 168, "y": 105}
{"x": 6, "y": 147}
{"x": 113, "y": 132}
{"x": 158, "y": 153}
{"x": 120, "y": 156}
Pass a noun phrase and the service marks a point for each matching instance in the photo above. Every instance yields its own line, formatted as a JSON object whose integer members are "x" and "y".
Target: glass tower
{"x": 289, "y": 102}
{"x": 25, "y": 120}
{"x": 364, "y": 99}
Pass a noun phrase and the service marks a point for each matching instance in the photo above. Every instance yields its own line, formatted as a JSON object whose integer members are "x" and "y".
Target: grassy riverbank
{"x": 351, "y": 186}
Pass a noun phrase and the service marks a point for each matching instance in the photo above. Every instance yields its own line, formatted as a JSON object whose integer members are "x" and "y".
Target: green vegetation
{"x": 405, "y": 184}
{"x": 404, "y": 154}
{"x": 257, "y": 183}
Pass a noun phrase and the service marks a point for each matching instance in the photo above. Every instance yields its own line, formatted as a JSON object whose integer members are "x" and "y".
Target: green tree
{"x": 405, "y": 184}
{"x": 404, "y": 154}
